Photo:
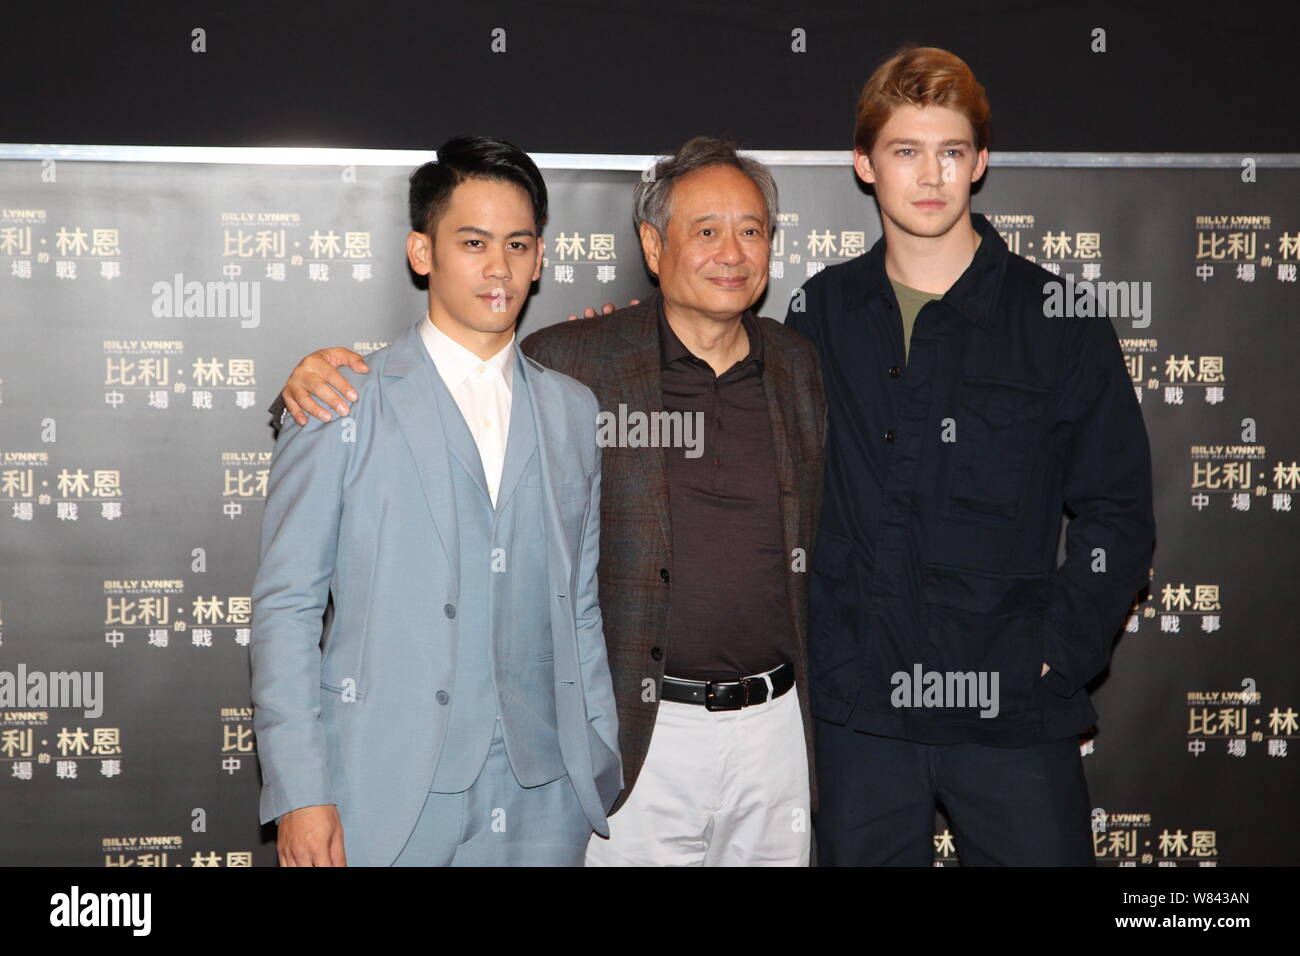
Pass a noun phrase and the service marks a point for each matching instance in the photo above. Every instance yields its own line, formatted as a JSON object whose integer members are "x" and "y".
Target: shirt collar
{"x": 456, "y": 363}
{"x": 671, "y": 348}
{"x": 975, "y": 290}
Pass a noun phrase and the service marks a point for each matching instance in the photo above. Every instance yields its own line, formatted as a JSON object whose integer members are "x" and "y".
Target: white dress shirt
{"x": 481, "y": 388}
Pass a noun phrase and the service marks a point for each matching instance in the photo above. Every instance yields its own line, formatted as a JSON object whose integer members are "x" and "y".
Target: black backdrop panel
{"x": 151, "y": 310}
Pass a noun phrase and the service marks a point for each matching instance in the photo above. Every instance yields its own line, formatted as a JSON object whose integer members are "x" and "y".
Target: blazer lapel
{"x": 552, "y": 456}
{"x": 778, "y": 383}
{"x": 414, "y": 398}
{"x": 521, "y": 433}
{"x": 460, "y": 440}
{"x": 640, "y": 370}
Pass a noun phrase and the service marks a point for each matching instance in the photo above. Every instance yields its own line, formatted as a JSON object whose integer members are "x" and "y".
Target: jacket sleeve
{"x": 593, "y": 660}
{"x": 1107, "y": 487}
{"x": 298, "y": 547}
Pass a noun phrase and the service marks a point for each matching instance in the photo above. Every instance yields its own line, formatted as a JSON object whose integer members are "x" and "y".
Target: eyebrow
{"x": 713, "y": 215}
{"x": 917, "y": 142}
{"x": 476, "y": 231}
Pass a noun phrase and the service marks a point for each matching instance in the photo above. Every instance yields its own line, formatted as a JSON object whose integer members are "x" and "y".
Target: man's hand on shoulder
{"x": 311, "y": 836}
{"x": 317, "y": 375}
{"x": 606, "y": 309}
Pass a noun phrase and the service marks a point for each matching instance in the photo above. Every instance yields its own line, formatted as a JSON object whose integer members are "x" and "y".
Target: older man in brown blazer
{"x": 704, "y": 545}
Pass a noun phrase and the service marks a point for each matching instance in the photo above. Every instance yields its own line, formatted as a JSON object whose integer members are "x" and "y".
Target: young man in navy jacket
{"x": 948, "y": 652}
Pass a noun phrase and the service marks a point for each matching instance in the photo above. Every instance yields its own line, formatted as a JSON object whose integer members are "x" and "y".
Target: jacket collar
{"x": 455, "y": 362}
{"x": 974, "y": 292}
{"x": 420, "y": 422}
{"x": 639, "y": 326}
{"x": 408, "y": 353}
{"x": 671, "y": 348}
{"x": 639, "y": 370}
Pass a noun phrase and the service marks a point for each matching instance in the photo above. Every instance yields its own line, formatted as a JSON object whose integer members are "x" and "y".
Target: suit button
{"x": 663, "y": 574}
{"x": 449, "y": 610}
{"x": 889, "y": 435}
{"x": 441, "y": 697}
{"x": 896, "y": 371}
{"x": 657, "y": 653}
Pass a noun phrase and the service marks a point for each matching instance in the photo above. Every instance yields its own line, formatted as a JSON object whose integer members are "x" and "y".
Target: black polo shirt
{"x": 728, "y": 615}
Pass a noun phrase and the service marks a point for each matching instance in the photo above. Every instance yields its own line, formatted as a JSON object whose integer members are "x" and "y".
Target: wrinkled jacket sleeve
{"x": 298, "y": 547}
{"x": 1107, "y": 486}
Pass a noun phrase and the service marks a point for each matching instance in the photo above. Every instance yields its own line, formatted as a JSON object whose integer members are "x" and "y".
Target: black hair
{"x": 472, "y": 157}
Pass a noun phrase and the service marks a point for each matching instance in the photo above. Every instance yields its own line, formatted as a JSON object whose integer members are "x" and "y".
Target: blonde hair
{"x": 920, "y": 76}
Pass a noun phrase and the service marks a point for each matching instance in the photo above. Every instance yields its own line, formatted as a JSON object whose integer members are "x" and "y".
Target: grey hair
{"x": 652, "y": 200}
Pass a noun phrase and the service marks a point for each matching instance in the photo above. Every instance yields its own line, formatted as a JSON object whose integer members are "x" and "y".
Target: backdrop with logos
{"x": 152, "y": 301}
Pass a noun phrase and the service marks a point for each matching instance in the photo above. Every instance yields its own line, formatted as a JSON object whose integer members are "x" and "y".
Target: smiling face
{"x": 922, "y": 164}
{"x": 482, "y": 265}
{"x": 715, "y": 260}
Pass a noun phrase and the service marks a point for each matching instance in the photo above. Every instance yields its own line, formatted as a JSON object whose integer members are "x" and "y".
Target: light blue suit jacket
{"x": 361, "y": 507}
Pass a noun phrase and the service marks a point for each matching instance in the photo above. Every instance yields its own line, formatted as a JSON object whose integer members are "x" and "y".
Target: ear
{"x": 419, "y": 252}
{"x": 981, "y": 164}
{"x": 862, "y": 166}
{"x": 541, "y": 254}
{"x": 651, "y": 246}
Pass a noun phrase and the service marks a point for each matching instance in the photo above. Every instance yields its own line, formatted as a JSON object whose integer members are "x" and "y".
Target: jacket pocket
{"x": 343, "y": 661}
{"x": 996, "y": 422}
{"x": 347, "y": 693}
{"x": 986, "y": 631}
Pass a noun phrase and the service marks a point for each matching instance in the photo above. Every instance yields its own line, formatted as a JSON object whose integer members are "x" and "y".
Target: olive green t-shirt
{"x": 909, "y": 303}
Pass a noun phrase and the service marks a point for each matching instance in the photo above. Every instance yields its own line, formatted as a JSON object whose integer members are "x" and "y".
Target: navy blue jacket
{"x": 944, "y": 492}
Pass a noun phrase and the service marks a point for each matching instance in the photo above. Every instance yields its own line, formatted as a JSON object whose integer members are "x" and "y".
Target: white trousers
{"x": 718, "y": 788}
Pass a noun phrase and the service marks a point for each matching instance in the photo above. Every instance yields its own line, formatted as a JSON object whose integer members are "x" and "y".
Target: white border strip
{"x": 326, "y": 156}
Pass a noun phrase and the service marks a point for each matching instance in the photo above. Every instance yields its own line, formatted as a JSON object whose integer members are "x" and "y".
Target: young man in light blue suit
{"x": 461, "y": 712}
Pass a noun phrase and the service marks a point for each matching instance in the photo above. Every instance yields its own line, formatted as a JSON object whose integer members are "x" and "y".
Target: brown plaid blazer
{"x": 617, "y": 357}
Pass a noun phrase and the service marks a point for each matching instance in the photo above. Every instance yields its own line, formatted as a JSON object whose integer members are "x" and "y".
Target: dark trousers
{"x": 1008, "y": 806}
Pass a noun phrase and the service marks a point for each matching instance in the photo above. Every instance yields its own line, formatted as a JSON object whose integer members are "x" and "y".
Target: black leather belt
{"x": 729, "y": 695}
